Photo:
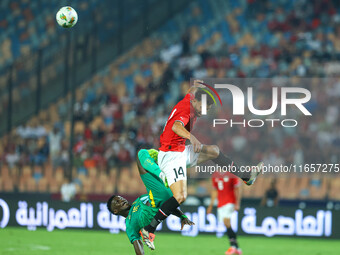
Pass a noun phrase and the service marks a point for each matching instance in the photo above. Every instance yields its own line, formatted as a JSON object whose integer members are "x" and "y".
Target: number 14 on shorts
{"x": 179, "y": 172}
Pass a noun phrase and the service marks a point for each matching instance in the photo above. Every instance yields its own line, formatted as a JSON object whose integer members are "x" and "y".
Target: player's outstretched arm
{"x": 180, "y": 130}
{"x": 138, "y": 245}
{"x": 213, "y": 197}
{"x": 183, "y": 217}
{"x": 238, "y": 196}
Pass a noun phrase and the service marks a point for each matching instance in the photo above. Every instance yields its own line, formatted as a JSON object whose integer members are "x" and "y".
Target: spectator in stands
{"x": 68, "y": 190}
{"x": 41, "y": 155}
{"x": 12, "y": 158}
{"x": 107, "y": 112}
{"x": 186, "y": 43}
{"x": 82, "y": 112}
{"x": 55, "y": 146}
{"x": 271, "y": 198}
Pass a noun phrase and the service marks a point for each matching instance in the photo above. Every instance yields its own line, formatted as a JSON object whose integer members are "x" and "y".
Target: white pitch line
{"x": 32, "y": 247}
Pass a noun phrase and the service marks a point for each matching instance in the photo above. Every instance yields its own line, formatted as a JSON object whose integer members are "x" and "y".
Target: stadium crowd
{"x": 125, "y": 106}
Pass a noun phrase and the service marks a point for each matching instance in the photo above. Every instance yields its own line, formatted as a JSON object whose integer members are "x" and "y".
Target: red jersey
{"x": 183, "y": 112}
{"x": 225, "y": 185}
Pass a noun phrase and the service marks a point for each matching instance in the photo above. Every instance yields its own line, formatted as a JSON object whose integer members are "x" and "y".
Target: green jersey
{"x": 139, "y": 216}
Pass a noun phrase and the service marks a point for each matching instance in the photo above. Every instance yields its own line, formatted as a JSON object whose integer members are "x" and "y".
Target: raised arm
{"x": 138, "y": 245}
{"x": 197, "y": 84}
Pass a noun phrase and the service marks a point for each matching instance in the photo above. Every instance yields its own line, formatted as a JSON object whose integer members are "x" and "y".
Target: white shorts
{"x": 225, "y": 212}
{"x": 174, "y": 163}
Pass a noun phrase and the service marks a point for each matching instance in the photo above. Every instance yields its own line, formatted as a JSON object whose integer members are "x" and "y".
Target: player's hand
{"x": 196, "y": 144}
{"x": 209, "y": 209}
{"x": 237, "y": 207}
{"x": 186, "y": 221}
{"x": 197, "y": 83}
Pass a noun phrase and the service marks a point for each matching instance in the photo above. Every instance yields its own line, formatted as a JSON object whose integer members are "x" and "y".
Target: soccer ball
{"x": 67, "y": 17}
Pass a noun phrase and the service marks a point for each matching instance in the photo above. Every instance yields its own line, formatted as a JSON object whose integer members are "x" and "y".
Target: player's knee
{"x": 214, "y": 151}
{"x": 227, "y": 222}
{"x": 181, "y": 197}
{"x": 141, "y": 152}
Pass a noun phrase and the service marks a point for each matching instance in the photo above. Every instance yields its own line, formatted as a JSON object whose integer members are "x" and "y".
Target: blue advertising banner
{"x": 255, "y": 220}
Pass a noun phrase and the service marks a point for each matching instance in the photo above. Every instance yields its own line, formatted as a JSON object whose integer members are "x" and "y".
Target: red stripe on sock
{"x": 163, "y": 213}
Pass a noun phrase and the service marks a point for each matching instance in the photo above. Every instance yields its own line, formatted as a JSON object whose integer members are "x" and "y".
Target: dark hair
{"x": 198, "y": 96}
{"x": 108, "y": 204}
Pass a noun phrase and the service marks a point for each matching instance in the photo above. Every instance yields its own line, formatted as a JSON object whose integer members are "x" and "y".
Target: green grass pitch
{"x": 20, "y": 241}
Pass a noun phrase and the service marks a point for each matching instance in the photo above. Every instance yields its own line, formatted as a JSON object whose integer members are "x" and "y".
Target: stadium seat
{"x": 87, "y": 186}
{"x": 281, "y": 185}
{"x": 109, "y": 188}
{"x": 291, "y": 190}
{"x": 99, "y": 187}
{"x": 303, "y": 187}
{"x": 8, "y": 185}
{"x": 334, "y": 192}
{"x": 93, "y": 173}
{"x": 59, "y": 176}
{"x": 54, "y": 187}
{"x": 27, "y": 171}
{"x": 5, "y": 171}
{"x": 31, "y": 185}
{"x": 48, "y": 171}
{"x": 21, "y": 184}
{"x": 43, "y": 185}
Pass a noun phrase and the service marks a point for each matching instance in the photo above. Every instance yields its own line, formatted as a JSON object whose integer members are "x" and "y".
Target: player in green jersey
{"x": 143, "y": 209}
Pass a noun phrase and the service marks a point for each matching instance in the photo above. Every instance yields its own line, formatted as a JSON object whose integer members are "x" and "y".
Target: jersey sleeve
{"x": 133, "y": 234}
{"x": 183, "y": 117}
{"x": 182, "y": 113}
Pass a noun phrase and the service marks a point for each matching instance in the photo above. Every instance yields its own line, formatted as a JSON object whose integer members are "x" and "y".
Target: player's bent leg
{"x": 158, "y": 194}
{"x": 147, "y": 159}
{"x": 164, "y": 211}
{"x": 156, "y": 189}
{"x": 224, "y": 214}
{"x": 148, "y": 238}
{"x": 227, "y": 223}
{"x": 234, "y": 248}
{"x": 173, "y": 164}
{"x": 141, "y": 169}
{"x": 208, "y": 152}
{"x": 212, "y": 152}
{"x": 147, "y": 162}
{"x": 179, "y": 190}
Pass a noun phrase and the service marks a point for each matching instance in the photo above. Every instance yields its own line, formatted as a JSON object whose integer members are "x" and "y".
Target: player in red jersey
{"x": 226, "y": 188}
{"x": 174, "y": 156}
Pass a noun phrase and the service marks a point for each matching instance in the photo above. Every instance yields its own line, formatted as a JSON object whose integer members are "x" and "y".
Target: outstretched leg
{"x": 173, "y": 164}
{"x": 212, "y": 152}
{"x": 145, "y": 161}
